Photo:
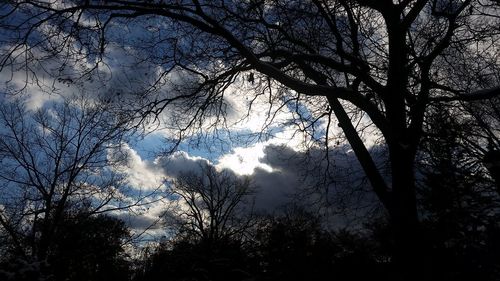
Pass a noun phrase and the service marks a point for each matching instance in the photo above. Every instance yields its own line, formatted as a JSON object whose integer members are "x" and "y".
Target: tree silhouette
{"x": 212, "y": 206}
{"x": 388, "y": 60}
{"x": 53, "y": 159}
{"x": 211, "y": 214}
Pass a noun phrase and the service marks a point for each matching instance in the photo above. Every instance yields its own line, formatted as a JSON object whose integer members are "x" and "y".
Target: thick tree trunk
{"x": 43, "y": 243}
{"x": 409, "y": 260}
{"x": 400, "y": 200}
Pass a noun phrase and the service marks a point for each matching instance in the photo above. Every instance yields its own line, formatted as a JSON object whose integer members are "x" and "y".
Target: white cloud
{"x": 140, "y": 174}
{"x": 244, "y": 160}
{"x": 145, "y": 221}
{"x": 251, "y": 110}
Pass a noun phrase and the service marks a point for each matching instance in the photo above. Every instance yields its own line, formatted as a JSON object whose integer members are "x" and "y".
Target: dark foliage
{"x": 287, "y": 247}
{"x": 459, "y": 204}
{"x": 188, "y": 260}
{"x": 90, "y": 248}
{"x": 297, "y": 247}
{"x": 86, "y": 248}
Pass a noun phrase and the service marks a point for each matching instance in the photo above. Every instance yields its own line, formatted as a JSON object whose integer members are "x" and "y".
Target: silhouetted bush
{"x": 200, "y": 260}
{"x": 297, "y": 247}
{"x": 85, "y": 248}
{"x": 90, "y": 248}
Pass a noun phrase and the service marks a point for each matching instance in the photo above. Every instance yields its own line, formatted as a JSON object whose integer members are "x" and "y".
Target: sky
{"x": 282, "y": 161}
{"x": 283, "y": 170}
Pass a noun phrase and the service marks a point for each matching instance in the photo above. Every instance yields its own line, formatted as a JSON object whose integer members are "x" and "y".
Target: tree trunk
{"x": 43, "y": 243}
{"x": 409, "y": 241}
{"x": 400, "y": 201}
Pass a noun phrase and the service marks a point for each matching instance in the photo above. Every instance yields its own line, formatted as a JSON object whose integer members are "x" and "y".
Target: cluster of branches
{"x": 55, "y": 162}
{"x": 212, "y": 206}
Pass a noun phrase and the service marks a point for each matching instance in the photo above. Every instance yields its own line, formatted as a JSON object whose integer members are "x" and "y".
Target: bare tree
{"x": 211, "y": 207}
{"x": 385, "y": 61}
{"x": 54, "y": 159}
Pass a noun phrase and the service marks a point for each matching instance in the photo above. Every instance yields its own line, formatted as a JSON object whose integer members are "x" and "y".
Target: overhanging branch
{"x": 483, "y": 94}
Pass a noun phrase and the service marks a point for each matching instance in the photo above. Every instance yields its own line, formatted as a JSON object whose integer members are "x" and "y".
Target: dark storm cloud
{"x": 137, "y": 222}
{"x": 310, "y": 177}
{"x": 300, "y": 177}
{"x": 306, "y": 178}
{"x": 180, "y": 162}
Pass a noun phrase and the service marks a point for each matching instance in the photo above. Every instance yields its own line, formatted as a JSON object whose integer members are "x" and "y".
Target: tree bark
{"x": 399, "y": 200}
{"x": 409, "y": 244}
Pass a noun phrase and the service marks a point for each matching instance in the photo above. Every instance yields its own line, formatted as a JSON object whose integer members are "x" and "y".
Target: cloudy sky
{"x": 281, "y": 174}
{"x": 260, "y": 137}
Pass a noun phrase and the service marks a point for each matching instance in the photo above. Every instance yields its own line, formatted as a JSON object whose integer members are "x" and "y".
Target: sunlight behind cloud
{"x": 244, "y": 160}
